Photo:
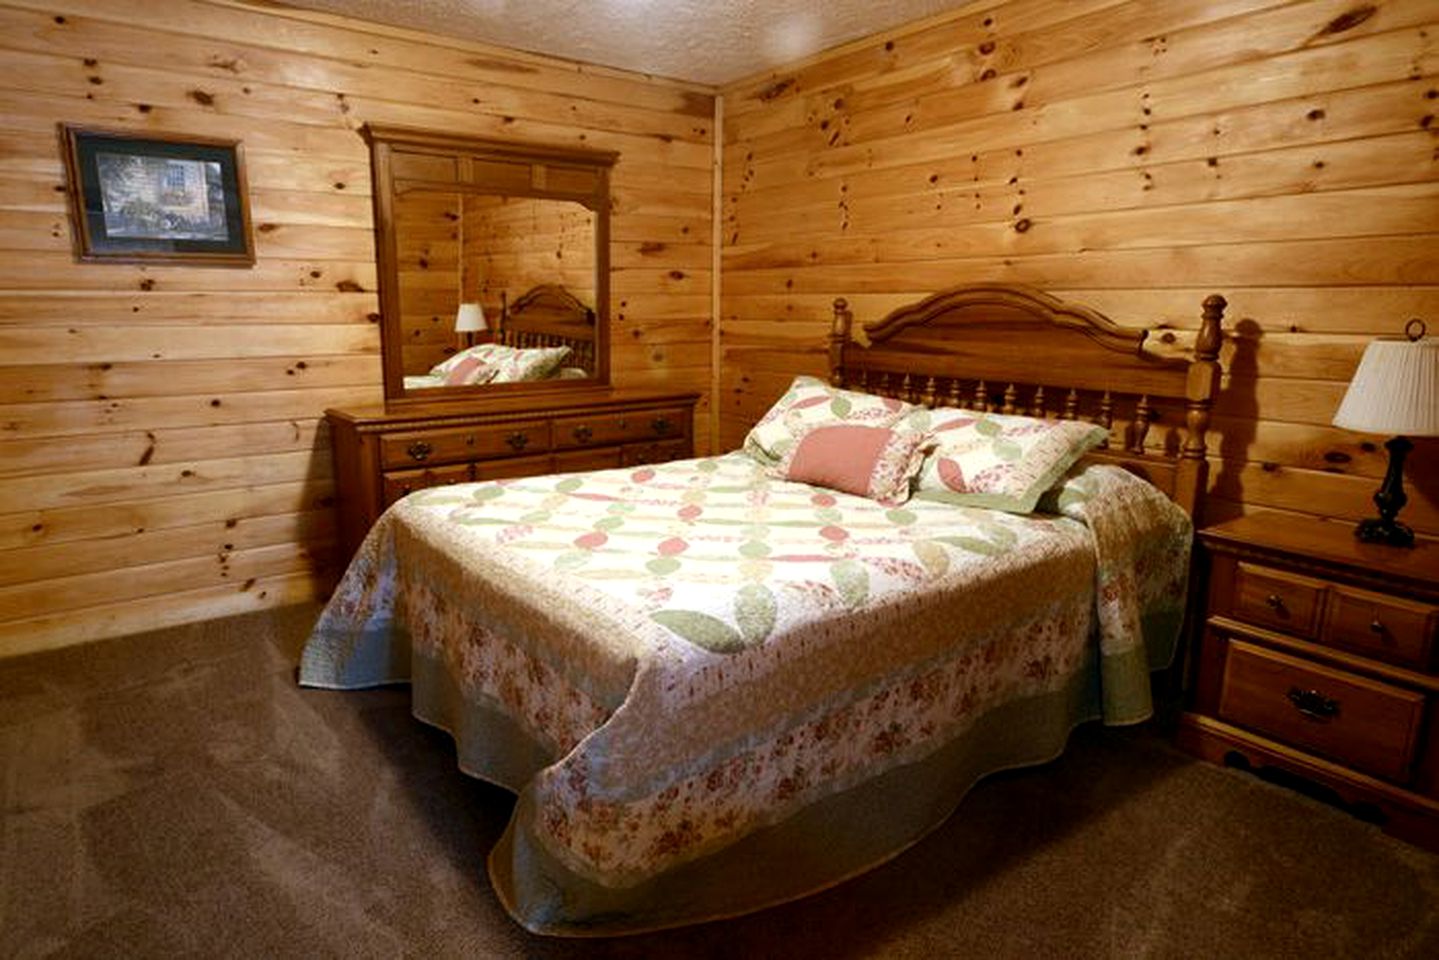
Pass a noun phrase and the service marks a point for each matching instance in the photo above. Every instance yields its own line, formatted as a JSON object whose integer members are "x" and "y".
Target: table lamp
{"x": 1394, "y": 391}
{"x": 470, "y": 320}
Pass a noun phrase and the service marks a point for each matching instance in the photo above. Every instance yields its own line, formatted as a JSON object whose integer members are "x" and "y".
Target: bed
{"x": 546, "y": 334}
{"x": 714, "y": 687}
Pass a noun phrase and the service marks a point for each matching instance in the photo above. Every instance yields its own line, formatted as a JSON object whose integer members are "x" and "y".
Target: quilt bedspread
{"x": 665, "y": 661}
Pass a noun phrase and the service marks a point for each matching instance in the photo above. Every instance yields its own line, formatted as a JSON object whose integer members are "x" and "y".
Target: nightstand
{"x": 1316, "y": 654}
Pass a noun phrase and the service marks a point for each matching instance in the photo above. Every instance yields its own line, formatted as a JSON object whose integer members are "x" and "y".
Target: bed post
{"x": 838, "y": 337}
{"x": 1200, "y": 389}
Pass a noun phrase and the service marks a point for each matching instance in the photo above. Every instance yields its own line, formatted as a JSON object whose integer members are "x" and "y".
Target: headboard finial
{"x": 1206, "y": 345}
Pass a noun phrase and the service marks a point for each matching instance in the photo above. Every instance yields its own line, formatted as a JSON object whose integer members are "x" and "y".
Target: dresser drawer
{"x": 660, "y": 451}
{"x": 463, "y": 443}
{"x": 1387, "y": 628}
{"x": 399, "y": 483}
{"x": 506, "y": 468}
{"x": 1273, "y": 598}
{"x": 619, "y": 427}
{"x": 578, "y": 461}
{"x": 1370, "y": 726}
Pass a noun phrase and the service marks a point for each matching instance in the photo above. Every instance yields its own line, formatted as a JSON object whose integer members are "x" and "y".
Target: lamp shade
{"x": 470, "y": 318}
{"x": 1395, "y": 390}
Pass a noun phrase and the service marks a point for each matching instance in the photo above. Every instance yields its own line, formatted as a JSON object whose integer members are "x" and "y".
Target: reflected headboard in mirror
{"x": 550, "y": 316}
{"x": 522, "y": 231}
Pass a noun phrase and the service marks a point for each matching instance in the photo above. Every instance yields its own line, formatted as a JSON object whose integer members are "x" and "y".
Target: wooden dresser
{"x": 382, "y": 455}
{"x": 1317, "y": 656}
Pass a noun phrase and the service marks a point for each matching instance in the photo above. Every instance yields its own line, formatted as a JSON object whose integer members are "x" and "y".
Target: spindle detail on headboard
{"x": 1007, "y": 348}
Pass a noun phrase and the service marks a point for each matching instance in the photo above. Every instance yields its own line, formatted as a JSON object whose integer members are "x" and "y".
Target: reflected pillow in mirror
{"x": 998, "y": 461}
{"x": 468, "y": 371}
{"x": 873, "y": 462}
{"x": 479, "y": 351}
{"x": 522, "y": 365}
{"x": 809, "y": 402}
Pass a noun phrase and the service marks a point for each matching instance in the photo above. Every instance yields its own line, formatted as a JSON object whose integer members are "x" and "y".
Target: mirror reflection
{"x": 493, "y": 264}
{"x": 494, "y": 289}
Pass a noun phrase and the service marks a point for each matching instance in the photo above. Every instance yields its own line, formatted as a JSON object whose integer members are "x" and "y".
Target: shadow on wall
{"x": 1241, "y": 409}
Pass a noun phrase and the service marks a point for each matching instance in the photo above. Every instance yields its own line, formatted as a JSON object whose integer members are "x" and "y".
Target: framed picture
{"x": 156, "y": 198}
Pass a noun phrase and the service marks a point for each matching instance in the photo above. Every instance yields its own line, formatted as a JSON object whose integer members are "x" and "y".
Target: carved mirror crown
{"x": 493, "y": 264}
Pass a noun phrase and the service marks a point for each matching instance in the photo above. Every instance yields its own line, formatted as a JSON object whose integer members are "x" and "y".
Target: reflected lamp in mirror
{"x": 1394, "y": 391}
{"x": 470, "y": 320}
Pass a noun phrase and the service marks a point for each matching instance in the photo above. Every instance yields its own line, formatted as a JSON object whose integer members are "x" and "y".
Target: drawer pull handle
{"x": 517, "y": 440}
{"x": 1376, "y": 627}
{"x": 1313, "y": 704}
{"x": 419, "y": 450}
{"x": 469, "y": 440}
{"x": 583, "y": 433}
{"x": 660, "y": 424}
{"x": 1274, "y": 602}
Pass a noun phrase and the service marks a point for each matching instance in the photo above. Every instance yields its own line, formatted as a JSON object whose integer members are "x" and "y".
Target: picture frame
{"x": 141, "y": 197}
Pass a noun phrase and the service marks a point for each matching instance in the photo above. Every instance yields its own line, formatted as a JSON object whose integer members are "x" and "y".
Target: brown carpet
{"x": 176, "y": 794}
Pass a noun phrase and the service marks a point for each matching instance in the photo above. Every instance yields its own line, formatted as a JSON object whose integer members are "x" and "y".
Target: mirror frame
{"x": 404, "y": 160}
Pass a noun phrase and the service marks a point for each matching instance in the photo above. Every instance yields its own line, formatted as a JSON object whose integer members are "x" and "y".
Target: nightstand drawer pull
{"x": 1274, "y": 602}
{"x": 583, "y": 432}
{"x": 660, "y": 425}
{"x": 517, "y": 440}
{"x": 419, "y": 450}
{"x": 1314, "y": 705}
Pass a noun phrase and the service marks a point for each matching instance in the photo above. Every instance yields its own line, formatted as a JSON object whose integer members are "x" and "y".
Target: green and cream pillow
{"x": 996, "y": 461}
{"x": 810, "y": 402}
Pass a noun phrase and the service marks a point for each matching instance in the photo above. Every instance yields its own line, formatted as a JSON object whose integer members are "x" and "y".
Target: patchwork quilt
{"x": 688, "y": 671}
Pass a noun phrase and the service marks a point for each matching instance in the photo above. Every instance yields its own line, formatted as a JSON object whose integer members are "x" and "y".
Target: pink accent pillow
{"x": 873, "y": 462}
{"x": 464, "y": 372}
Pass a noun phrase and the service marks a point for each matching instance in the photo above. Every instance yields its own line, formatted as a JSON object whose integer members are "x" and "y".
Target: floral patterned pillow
{"x": 998, "y": 461}
{"x": 810, "y": 402}
{"x": 479, "y": 351}
{"x": 534, "y": 363}
{"x": 874, "y": 462}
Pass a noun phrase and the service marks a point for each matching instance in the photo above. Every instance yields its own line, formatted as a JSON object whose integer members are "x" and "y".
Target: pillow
{"x": 999, "y": 461}
{"x": 809, "y": 402}
{"x": 535, "y": 363}
{"x": 480, "y": 351}
{"x": 874, "y": 462}
{"x": 469, "y": 370}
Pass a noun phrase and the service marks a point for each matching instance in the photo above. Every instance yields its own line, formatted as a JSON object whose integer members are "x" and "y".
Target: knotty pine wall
{"x": 161, "y": 455}
{"x": 515, "y": 244}
{"x": 1135, "y": 156}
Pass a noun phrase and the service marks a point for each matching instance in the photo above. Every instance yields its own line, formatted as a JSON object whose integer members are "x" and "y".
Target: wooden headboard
{"x": 1008, "y": 348}
{"x": 549, "y": 316}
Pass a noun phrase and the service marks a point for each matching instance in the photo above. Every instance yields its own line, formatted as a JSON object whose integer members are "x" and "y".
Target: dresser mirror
{"x": 493, "y": 264}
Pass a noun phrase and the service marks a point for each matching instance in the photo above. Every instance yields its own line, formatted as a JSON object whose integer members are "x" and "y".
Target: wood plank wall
{"x": 515, "y": 245}
{"x": 1135, "y": 155}
{"x": 161, "y": 457}
{"x": 428, "y": 264}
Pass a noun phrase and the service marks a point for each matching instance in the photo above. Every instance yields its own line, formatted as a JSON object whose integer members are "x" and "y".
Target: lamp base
{"x": 1390, "y": 500}
{"x": 1380, "y": 530}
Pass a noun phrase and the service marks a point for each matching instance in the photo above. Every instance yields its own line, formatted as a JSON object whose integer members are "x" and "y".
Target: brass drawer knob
{"x": 1274, "y": 602}
{"x": 1313, "y": 704}
{"x": 583, "y": 433}
{"x": 419, "y": 450}
{"x": 517, "y": 440}
{"x": 660, "y": 424}
{"x": 1377, "y": 628}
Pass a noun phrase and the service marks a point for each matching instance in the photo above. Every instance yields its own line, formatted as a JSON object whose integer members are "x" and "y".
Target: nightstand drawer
{"x": 1273, "y": 598}
{"x": 464, "y": 443}
{"x": 1366, "y": 724}
{"x": 1389, "y": 628}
